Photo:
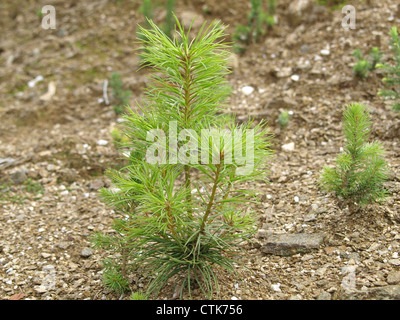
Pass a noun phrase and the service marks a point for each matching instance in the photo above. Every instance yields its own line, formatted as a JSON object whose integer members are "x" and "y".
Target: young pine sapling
{"x": 283, "y": 119}
{"x": 271, "y": 10}
{"x": 360, "y": 171}
{"x": 365, "y": 65}
{"x": 180, "y": 199}
{"x": 245, "y": 34}
{"x": 392, "y": 78}
{"x": 169, "y": 25}
{"x": 147, "y": 10}
{"x": 120, "y": 95}
{"x": 138, "y": 295}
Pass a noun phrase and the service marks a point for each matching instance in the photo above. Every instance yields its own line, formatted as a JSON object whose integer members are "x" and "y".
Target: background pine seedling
{"x": 118, "y": 245}
{"x": 332, "y": 4}
{"x": 283, "y": 119}
{"x": 392, "y": 78}
{"x": 271, "y": 10}
{"x": 241, "y": 38}
{"x": 181, "y": 221}
{"x": 364, "y": 65}
{"x": 256, "y": 19}
{"x": 113, "y": 279}
{"x": 360, "y": 171}
{"x": 147, "y": 10}
{"x": 169, "y": 25}
{"x": 376, "y": 57}
{"x": 120, "y": 95}
{"x": 254, "y": 29}
{"x": 138, "y": 296}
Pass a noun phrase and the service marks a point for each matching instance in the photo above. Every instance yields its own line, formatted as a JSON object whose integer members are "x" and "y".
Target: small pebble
{"x": 86, "y": 252}
{"x": 102, "y": 142}
{"x": 295, "y": 77}
{"x": 276, "y": 287}
{"x": 247, "y": 90}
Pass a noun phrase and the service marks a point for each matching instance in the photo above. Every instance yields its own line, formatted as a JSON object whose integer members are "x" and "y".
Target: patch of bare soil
{"x": 53, "y": 153}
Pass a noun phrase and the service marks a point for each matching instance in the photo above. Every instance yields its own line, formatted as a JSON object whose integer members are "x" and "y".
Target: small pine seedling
{"x": 117, "y": 136}
{"x": 362, "y": 66}
{"x": 332, "y": 4}
{"x": 182, "y": 218}
{"x": 365, "y": 65}
{"x": 376, "y": 57}
{"x": 147, "y": 10}
{"x": 283, "y": 119}
{"x": 39, "y": 13}
{"x": 121, "y": 96}
{"x": 169, "y": 25}
{"x": 360, "y": 170}
{"x": 138, "y": 295}
{"x": 271, "y": 10}
{"x": 256, "y": 19}
{"x": 113, "y": 279}
{"x": 241, "y": 37}
{"x": 392, "y": 78}
{"x": 120, "y": 247}
{"x": 255, "y": 22}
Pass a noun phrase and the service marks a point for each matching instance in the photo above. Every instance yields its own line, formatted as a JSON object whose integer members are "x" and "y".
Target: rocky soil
{"x": 55, "y": 145}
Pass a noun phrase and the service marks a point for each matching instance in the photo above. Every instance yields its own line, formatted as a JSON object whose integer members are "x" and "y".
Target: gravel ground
{"x": 54, "y": 151}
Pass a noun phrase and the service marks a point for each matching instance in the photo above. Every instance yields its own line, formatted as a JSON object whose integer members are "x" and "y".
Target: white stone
{"x": 276, "y": 287}
{"x": 102, "y": 142}
{"x": 247, "y": 90}
{"x": 288, "y": 147}
{"x": 349, "y": 269}
{"x": 32, "y": 83}
{"x": 395, "y": 262}
{"x": 41, "y": 289}
{"x": 51, "y": 91}
{"x": 295, "y": 78}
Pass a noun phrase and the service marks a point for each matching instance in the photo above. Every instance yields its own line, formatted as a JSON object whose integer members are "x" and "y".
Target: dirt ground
{"x": 54, "y": 150}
